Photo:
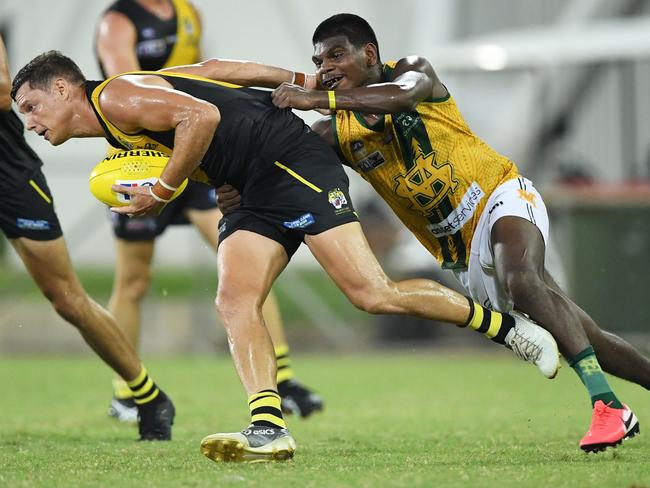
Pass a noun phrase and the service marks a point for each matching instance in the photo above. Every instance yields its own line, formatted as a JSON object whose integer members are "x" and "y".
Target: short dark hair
{"x": 40, "y": 71}
{"x": 355, "y": 28}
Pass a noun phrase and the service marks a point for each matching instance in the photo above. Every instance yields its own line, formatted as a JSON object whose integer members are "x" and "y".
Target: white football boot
{"x": 532, "y": 343}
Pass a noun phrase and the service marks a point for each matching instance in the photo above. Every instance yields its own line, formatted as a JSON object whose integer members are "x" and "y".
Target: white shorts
{"x": 517, "y": 198}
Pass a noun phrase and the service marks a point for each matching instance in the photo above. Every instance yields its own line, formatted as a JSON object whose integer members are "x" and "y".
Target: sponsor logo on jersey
{"x": 133, "y": 184}
{"x": 153, "y": 48}
{"x": 33, "y": 224}
{"x": 223, "y": 225}
{"x": 461, "y": 214}
{"x": 407, "y": 121}
{"x": 301, "y": 222}
{"x": 147, "y": 33}
{"x": 371, "y": 162}
{"x": 187, "y": 24}
{"x": 356, "y": 145}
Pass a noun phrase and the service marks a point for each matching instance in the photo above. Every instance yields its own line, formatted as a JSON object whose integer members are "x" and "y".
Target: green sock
{"x": 587, "y": 367}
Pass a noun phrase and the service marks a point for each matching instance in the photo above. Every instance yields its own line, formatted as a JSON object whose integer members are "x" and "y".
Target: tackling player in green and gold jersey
{"x": 398, "y": 126}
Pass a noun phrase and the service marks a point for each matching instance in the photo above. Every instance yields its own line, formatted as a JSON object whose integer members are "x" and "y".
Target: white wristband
{"x": 156, "y": 197}
{"x": 166, "y": 186}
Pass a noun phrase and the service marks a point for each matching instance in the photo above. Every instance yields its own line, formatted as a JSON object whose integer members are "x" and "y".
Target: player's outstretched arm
{"x": 245, "y": 73}
{"x": 5, "y": 79}
{"x": 133, "y": 103}
{"x": 413, "y": 81}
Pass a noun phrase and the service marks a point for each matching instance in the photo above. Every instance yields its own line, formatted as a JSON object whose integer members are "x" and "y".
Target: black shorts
{"x": 196, "y": 196}
{"x": 304, "y": 194}
{"x": 28, "y": 211}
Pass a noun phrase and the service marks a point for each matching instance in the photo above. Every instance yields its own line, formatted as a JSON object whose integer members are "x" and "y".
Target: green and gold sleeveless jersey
{"x": 429, "y": 167}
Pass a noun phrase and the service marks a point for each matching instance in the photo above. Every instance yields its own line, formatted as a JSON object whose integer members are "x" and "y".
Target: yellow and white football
{"x": 139, "y": 167}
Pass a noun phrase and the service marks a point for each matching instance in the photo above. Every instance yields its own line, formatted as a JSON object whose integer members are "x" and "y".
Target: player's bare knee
{"x": 371, "y": 299}
{"x": 136, "y": 287}
{"x": 230, "y": 304}
{"x": 70, "y": 306}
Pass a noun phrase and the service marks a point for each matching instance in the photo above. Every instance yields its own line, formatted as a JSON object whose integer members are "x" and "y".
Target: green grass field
{"x": 424, "y": 419}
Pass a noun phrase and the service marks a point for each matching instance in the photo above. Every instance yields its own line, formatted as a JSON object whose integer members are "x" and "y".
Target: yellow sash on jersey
{"x": 187, "y": 48}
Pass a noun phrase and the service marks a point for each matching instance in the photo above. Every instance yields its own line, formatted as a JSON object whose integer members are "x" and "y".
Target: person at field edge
{"x": 150, "y": 35}
{"x": 295, "y": 191}
{"x": 397, "y": 125}
{"x": 29, "y": 221}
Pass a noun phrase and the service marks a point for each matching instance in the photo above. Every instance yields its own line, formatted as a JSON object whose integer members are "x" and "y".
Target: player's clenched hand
{"x": 142, "y": 203}
{"x": 228, "y": 198}
{"x": 293, "y": 96}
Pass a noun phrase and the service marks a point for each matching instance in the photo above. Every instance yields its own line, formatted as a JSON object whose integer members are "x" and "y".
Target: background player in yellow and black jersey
{"x": 150, "y": 35}
{"x": 29, "y": 221}
{"x": 397, "y": 125}
{"x": 293, "y": 191}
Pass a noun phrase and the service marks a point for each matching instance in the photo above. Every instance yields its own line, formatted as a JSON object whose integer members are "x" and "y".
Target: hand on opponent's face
{"x": 142, "y": 204}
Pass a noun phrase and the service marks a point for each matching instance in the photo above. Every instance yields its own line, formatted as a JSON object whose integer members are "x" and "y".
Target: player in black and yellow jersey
{"x": 397, "y": 125}
{"x": 28, "y": 220}
{"x": 150, "y": 35}
{"x": 293, "y": 190}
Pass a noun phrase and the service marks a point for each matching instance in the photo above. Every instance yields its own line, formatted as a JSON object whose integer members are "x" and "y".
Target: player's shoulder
{"x": 120, "y": 15}
{"x": 115, "y": 21}
{"x": 410, "y": 63}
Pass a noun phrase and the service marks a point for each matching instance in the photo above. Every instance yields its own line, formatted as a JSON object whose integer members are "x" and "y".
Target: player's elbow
{"x": 208, "y": 116}
{"x": 214, "y": 117}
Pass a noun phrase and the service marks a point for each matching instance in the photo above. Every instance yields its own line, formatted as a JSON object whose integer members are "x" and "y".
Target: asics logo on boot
{"x": 259, "y": 432}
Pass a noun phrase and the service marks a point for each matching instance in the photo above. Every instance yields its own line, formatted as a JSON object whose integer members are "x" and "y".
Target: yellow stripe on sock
{"x": 285, "y": 374}
{"x": 269, "y": 418}
{"x": 121, "y": 390}
{"x": 281, "y": 350}
{"x": 478, "y": 317}
{"x": 142, "y": 401}
{"x": 265, "y": 402}
{"x": 298, "y": 177}
{"x": 255, "y": 396}
{"x": 39, "y": 191}
{"x": 284, "y": 362}
{"x": 496, "y": 320}
{"x": 138, "y": 379}
{"x": 145, "y": 388}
